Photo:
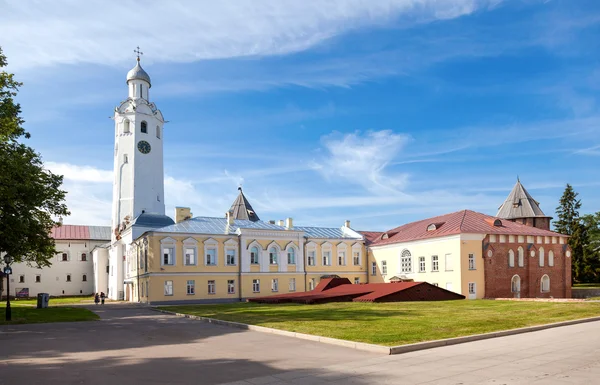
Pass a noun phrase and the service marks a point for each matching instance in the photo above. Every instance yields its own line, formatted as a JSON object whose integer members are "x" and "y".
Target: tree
{"x": 30, "y": 196}
{"x": 569, "y": 223}
{"x": 591, "y": 271}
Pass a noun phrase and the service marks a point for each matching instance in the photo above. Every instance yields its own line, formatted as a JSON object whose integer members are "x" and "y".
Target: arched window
{"x": 545, "y": 283}
{"x": 158, "y": 132}
{"x": 144, "y": 127}
{"x": 521, "y": 254}
{"x": 126, "y": 126}
{"x": 515, "y": 284}
{"x": 550, "y": 258}
{"x": 511, "y": 258}
{"x": 406, "y": 262}
{"x": 273, "y": 256}
{"x": 541, "y": 254}
{"x": 254, "y": 255}
{"x": 291, "y": 255}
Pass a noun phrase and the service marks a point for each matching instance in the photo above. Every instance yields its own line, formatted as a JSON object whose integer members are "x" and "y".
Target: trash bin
{"x": 42, "y": 300}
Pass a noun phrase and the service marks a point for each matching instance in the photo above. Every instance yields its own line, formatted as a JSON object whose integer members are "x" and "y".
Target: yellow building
{"x": 207, "y": 259}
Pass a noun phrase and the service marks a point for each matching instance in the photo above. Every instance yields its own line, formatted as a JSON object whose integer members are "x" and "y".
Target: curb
{"x": 380, "y": 348}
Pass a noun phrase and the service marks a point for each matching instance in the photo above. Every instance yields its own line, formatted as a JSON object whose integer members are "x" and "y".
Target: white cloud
{"x": 362, "y": 159}
{"x": 77, "y": 173}
{"x": 58, "y": 32}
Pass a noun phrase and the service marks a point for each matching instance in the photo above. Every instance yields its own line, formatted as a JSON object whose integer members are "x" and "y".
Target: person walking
{"x": 96, "y": 298}
{"x": 102, "y": 296}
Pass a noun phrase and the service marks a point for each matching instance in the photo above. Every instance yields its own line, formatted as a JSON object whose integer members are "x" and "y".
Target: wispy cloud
{"x": 184, "y": 31}
{"x": 362, "y": 159}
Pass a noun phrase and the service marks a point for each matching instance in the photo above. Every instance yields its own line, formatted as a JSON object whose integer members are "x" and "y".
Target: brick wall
{"x": 498, "y": 274}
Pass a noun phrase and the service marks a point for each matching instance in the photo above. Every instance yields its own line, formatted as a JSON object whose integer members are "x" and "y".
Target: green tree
{"x": 569, "y": 223}
{"x": 591, "y": 223}
{"x": 30, "y": 196}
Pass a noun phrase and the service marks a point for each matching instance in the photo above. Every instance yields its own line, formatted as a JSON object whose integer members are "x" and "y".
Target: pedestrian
{"x": 96, "y": 298}
{"x": 102, "y": 296}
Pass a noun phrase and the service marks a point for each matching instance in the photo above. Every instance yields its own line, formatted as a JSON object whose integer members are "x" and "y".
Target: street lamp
{"x": 8, "y": 271}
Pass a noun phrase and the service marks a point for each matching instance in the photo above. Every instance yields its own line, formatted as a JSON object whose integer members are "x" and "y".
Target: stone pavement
{"x": 136, "y": 345}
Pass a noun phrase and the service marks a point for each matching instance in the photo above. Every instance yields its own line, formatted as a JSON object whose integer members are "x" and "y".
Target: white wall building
{"x": 72, "y": 270}
{"x": 138, "y": 193}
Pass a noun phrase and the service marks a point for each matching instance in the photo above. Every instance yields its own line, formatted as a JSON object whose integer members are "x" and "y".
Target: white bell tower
{"x": 138, "y": 155}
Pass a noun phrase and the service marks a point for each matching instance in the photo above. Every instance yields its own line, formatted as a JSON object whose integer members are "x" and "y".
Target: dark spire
{"x": 241, "y": 208}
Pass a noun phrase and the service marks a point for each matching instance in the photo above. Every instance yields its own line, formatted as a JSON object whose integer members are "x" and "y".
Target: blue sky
{"x": 381, "y": 112}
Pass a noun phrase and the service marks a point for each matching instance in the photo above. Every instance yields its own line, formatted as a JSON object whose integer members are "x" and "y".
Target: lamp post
{"x": 8, "y": 271}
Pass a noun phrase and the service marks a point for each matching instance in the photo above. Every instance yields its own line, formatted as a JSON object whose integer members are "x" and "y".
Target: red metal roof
{"x": 70, "y": 232}
{"x": 465, "y": 221}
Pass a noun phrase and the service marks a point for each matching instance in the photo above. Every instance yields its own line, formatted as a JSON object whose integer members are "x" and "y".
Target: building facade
{"x": 207, "y": 259}
{"x": 72, "y": 270}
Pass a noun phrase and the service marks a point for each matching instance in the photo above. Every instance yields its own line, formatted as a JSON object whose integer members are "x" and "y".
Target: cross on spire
{"x": 138, "y": 52}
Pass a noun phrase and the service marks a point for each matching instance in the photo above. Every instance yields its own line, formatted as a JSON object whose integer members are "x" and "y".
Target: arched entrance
{"x": 515, "y": 286}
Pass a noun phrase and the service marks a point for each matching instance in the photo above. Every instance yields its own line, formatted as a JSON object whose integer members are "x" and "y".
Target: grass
{"x": 26, "y": 314}
{"x": 55, "y": 300}
{"x": 396, "y": 323}
{"x": 586, "y": 286}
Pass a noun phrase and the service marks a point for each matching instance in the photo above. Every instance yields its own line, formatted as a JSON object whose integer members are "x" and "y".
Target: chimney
{"x": 280, "y": 222}
{"x": 347, "y": 224}
{"x": 229, "y": 217}
{"x": 289, "y": 223}
{"x": 271, "y": 222}
{"x": 182, "y": 214}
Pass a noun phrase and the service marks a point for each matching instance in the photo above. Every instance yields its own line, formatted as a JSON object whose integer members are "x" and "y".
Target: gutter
{"x": 240, "y": 267}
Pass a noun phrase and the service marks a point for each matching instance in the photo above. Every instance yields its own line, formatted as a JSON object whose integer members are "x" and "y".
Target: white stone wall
{"x": 53, "y": 279}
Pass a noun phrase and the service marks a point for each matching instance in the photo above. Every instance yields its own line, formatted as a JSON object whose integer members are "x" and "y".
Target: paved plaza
{"x": 136, "y": 345}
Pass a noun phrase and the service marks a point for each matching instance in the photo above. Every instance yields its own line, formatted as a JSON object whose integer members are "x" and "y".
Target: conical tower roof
{"x": 519, "y": 204}
{"x": 241, "y": 208}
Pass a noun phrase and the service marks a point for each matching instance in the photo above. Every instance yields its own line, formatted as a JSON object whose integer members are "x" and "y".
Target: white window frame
{"x": 357, "y": 254}
{"x": 258, "y": 249}
{"x": 384, "y": 267}
{"x": 273, "y": 255}
{"x": 472, "y": 262}
{"x": 168, "y": 288}
{"x": 422, "y": 265}
{"x": 515, "y": 288}
{"x": 357, "y": 280}
{"x": 231, "y": 286}
{"x": 190, "y": 244}
{"x": 373, "y": 268}
{"x": 435, "y": 263}
{"x": 311, "y": 284}
{"x": 472, "y": 288}
{"x": 211, "y": 244}
{"x": 275, "y": 284}
{"x": 191, "y": 286}
{"x": 292, "y": 284}
{"x": 521, "y": 256}
{"x": 550, "y": 258}
{"x": 256, "y": 285}
{"x": 406, "y": 261}
{"x": 541, "y": 256}
{"x": 511, "y": 258}
{"x": 341, "y": 254}
{"x": 326, "y": 254}
{"x": 231, "y": 247}
{"x": 448, "y": 258}
{"x": 543, "y": 287}
{"x": 311, "y": 256}
{"x": 211, "y": 287}
{"x": 291, "y": 252}
{"x": 170, "y": 245}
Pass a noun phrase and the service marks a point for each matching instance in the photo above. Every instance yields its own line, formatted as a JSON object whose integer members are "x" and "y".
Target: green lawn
{"x": 26, "y": 314}
{"x": 586, "y": 286}
{"x": 396, "y": 323}
{"x": 55, "y": 300}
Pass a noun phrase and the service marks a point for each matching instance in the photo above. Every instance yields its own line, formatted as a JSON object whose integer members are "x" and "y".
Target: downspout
{"x": 240, "y": 268}
{"x": 305, "y": 256}
{"x": 367, "y": 260}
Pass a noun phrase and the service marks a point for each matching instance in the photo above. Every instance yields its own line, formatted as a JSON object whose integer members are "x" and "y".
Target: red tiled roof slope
{"x": 80, "y": 232}
{"x": 465, "y": 221}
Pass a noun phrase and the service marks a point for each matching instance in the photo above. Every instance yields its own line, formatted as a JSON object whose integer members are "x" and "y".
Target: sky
{"x": 378, "y": 112}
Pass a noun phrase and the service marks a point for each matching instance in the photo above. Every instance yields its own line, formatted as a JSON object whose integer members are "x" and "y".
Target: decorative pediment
{"x": 291, "y": 244}
{"x": 254, "y": 243}
{"x": 326, "y": 245}
{"x": 190, "y": 241}
{"x": 275, "y": 245}
{"x": 341, "y": 246}
{"x": 211, "y": 241}
{"x": 168, "y": 240}
{"x": 311, "y": 245}
{"x": 230, "y": 242}
{"x": 357, "y": 245}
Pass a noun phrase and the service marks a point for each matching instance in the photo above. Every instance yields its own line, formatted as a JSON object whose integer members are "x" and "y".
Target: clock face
{"x": 144, "y": 147}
